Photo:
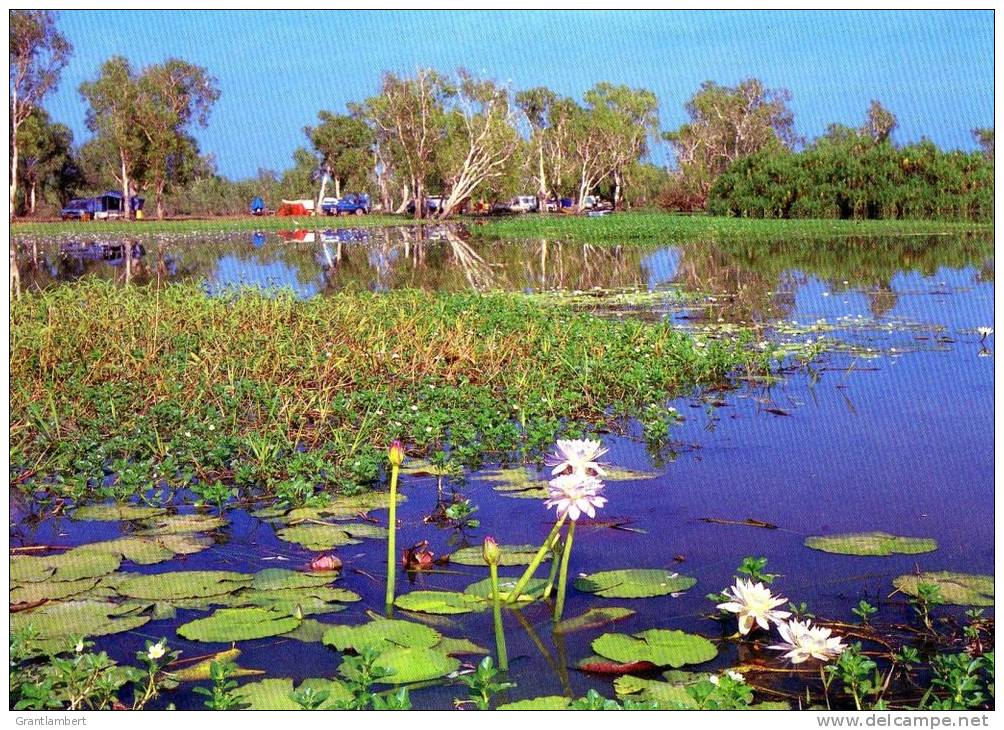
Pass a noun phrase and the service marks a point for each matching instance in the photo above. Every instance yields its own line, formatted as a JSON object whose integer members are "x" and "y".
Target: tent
{"x": 296, "y": 207}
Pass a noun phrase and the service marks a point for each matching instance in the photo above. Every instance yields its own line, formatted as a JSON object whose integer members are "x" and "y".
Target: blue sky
{"x": 277, "y": 69}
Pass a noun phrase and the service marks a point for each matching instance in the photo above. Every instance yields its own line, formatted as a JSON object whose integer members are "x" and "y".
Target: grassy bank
{"x": 114, "y": 389}
{"x": 641, "y": 226}
{"x": 658, "y": 227}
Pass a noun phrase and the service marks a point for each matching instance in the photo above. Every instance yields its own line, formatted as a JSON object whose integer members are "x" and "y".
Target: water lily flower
{"x": 156, "y": 651}
{"x": 325, "y": 563}
{"x": 754, "y": 603}
{"x": 577, "y": 457}
{"x": 575, "y": 495}
{"x": 79, "y": 647}
{"x": 984, "y": 332}
{"x": 491, "y": 551}
{"x": 803, "y": 641}
{"x": 395, "y": 454}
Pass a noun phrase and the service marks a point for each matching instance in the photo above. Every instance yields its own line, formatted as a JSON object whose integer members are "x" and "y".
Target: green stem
{"x": 391, "y": 545}
{"x": 559, "y": 605}
{"x": 555, "y": 555}
{"x": 500, "y": 650}
{"x": 535, "y": 563}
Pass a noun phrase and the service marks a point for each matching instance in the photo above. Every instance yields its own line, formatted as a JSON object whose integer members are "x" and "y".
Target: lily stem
{"x": 391, "y": 546}
{"x": 500, "y": 649}
{"x": 559, "y": 605}
{"x": 516, "y": 592}
{"x": 553, "y": 575}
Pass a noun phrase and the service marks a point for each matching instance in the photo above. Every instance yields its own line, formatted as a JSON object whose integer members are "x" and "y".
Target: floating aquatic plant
{"x": 754, "y": 604}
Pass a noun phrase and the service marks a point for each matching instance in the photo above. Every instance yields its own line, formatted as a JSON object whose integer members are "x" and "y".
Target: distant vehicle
{"x": 554, "y": 205}
{"x": 258, "y": 206}
{"x": 101, "y": 207}
{"x": 523, "y": 204}
{"x": 595, "y": 202}
{"x": 353, "y": 203}
{"x": 432, "y": 204}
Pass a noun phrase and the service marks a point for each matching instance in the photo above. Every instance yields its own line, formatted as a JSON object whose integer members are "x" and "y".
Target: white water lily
{"x": 156, "y": 651}
{"x": 79, "y": 647}
{"x": 716, "y": 679}
{"x": 803, "y": 641}
{"x": 753, "y": 603}
{"x": 984, "y": 332}
{"x": 577, "y": 457}
{"x": 575, "y": 495}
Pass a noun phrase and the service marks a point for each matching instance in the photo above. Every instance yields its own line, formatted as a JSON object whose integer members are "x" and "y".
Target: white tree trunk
{"x": 125, "y": 187}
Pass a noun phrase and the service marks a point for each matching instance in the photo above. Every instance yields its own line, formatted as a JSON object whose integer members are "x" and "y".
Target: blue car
{"x": 353, "y": 203}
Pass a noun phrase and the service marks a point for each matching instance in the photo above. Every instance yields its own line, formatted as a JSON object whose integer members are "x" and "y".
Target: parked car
{"x": 524, "y": 204}
{"x": 432, "y": 204}
{"x": 353, "y": 203}
{"x": 595, "y": 202}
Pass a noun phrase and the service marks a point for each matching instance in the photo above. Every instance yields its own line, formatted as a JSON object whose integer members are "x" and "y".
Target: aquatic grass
{"x": 177, "y": 386}
{"x": 665, "y": 228}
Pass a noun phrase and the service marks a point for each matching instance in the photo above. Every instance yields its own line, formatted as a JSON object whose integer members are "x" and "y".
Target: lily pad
{"x": 511, "y": 555}
{"x": 58, "y": 623}
{"x": 50, "y": 590}
{"x": 272, "y": 579}
{"x": 116, "y": 512}
{"x": 440, "y": 602}
{"x": 661, "y": 647}
{"x": 548, "y": 702}
{"x": 593, "y": 618}
{"x": 276, "y": 694}
{"x": 200, "y": 671}
{"x": 69, "y": 566}
{"x": 314, "y": 536}
{"x": 412, "y": 664}
{"x": 181, "y": 584}
{"x": 668, "y": 694}
{"x": 303, "y": 601}
{"x": 342, "y": 507}
{"x": 871, "y": 543}
{"x": 309, "y": 631}
{"x": 181, "y": 524}
{"x": 381, "y": 634}
{"x": 961, "y": 589}
{"x": 148, "y": 550}
{"x": 460, "y": 647}
{"x": 483, "y": 589}
{"x": 634, "y": 583}
{"x": 238, "y": 624}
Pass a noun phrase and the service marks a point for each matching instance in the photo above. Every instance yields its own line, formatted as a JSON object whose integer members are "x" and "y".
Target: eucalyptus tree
{"x": 726, "y": 124}
{"x": 631, "y": 117}
{"x": 478, "y": 142}
{"x": 38, "y": 53}
{"x": 408, "y": 115}
{"x": 45, "y": 160}
{"x": 985, "y": 139}
{"x": 113, "y": 100}
{"x": 879, "y": 122}
{"x": 344, "y": 144}
{"x": 540, "y": 106}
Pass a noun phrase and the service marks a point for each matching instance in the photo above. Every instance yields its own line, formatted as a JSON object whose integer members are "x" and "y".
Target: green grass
{"x": 633, "y": 227}
{"x": 658, "y": 227}
{"x": 160, "y": 386}
{"x": 205, "y": 225}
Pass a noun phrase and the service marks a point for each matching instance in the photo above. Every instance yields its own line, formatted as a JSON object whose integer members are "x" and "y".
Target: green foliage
{"x": 634, "y": 583}
{"x": 221, "y": 696}
{"x": 483, "y": 684}
{"x": 871, "y": 543}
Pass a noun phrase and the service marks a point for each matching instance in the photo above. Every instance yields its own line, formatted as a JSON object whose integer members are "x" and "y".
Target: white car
{"x": 523, "y": 204}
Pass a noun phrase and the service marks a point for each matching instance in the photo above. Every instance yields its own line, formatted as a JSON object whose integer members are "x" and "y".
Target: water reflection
{"x": 744, "y": 282}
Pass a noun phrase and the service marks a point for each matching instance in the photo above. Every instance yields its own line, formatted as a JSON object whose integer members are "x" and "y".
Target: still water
{"x": 892, "y": 431}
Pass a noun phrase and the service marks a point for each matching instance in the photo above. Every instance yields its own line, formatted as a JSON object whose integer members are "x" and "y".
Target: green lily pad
{"x": 116, "y": 512}
{"x": 511, "y": 555}
{"x": 148, "y": 550}
{"x": 238, "y": 624}
{"x": 483, "y": 589}
{"x": 440, "y": 602}
{"x": 634, "y": 583}
{"x": 69, "y": 566}
{"x": 49, "y": 590}
{"x": 181, "y": 584}
{"x": 548, "y": 702}
{"x": 409, "y": 664}
{"x": 669, "y": 695}
{"x": 309, "y": 631}
{"x": 381, "y": 634}
{"x": 460, "y": 647}
{"x": 58, "y": 623}
{"x": 180, "y": 524}
{"x": 317, "y": 537}
{"x": 871, "y": 543}
{"x": 305, "y": 601}
{"x": 272, "y": 579}
{"x": 661, "y": 647}
{"x": 961, "y": 589}
{"x": 200, "y": 671}
{"x": 593, "y": 618}
{"x": 343, "y": 507}
{"x": 524, "y": 483}
{"x": 276, "y": 693}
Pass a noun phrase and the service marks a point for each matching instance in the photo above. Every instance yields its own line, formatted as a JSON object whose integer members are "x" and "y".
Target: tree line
{"x": 470, "y": 141}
